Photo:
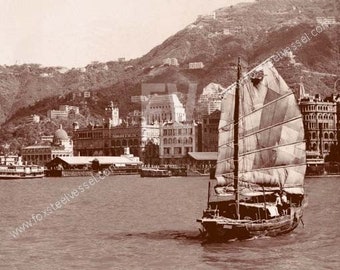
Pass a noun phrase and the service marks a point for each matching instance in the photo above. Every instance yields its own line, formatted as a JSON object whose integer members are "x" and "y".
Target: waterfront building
{"x": 202, "y": 162}
{"x": 88, "y": 163}
{"x": 210, "y": 131}
{"x": 61, "y": 146}
{"x": 110, "y": 139}
{"x": 320, "y": 121}
{"x": 177, "y": 140}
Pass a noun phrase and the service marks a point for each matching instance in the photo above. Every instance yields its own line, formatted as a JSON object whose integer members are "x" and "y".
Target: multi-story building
{"x": 164, "y": 108}
{"x": 54, "y": 114}
{"x": 63, "y": 112}
{"x": 196, "y": 65}
{"x": 210, "y": 100}
{"x": 69, "y": 108}
{"x": 214, "y": 104}
{"x": 62, "y": 146}
{"x": 112, "y": 114}
{"x": 320, "y": 121}
{"x": 176, "y": 140}
{"x": 210, "y": 131}
{"x": 111, "y": 139}
{"x": 170, "y": 61}
{"x": 32, "y": 118}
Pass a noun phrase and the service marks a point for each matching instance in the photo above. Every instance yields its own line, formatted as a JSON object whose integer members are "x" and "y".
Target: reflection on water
{"x": 128, "y": 222}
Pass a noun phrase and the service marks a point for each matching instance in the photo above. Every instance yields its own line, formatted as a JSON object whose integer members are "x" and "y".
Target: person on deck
{"x": 284, "y": 201}
{"x": 278, "y": 203}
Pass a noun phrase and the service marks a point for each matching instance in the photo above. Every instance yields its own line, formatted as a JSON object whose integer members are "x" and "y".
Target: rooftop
{"x": 79, "y": 160}
{"x": 203, "y": 155}
{"x": 161, "y": 100}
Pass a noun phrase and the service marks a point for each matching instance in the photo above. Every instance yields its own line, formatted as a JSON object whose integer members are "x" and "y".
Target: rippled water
{"x": 128, "y": 222}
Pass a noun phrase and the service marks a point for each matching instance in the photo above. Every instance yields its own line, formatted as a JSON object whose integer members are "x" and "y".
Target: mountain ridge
{"x": 254, "y": 31}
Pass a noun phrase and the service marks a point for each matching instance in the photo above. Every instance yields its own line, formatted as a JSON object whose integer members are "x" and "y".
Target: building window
{"x": 314, "y": 146}
{"x": 178, "y": 150}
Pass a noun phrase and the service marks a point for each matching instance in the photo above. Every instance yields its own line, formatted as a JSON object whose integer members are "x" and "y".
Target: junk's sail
{"x": 271, "y": 136}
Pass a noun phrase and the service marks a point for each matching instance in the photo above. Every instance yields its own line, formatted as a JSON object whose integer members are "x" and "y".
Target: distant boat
{"x": 261, "y": 160}
{"x": 18, "y": 171}
{"x": 154, "y": 172}
{"x": 164, "y": 171}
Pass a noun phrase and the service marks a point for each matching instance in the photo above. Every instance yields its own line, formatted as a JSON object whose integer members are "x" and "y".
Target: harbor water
{"x": 129, "y": 222}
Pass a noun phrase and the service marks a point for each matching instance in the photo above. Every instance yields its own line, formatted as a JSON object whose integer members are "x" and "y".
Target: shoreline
{"x": 323, "y": 175}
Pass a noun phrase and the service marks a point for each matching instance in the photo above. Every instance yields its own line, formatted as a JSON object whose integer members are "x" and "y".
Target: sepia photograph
{"x": 169, "y": 134}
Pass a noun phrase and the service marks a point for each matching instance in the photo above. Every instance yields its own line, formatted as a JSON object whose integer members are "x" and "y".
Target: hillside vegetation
{"x": 253, "y": 31}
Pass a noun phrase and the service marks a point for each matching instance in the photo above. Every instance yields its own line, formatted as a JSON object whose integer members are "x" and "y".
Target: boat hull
{"x": 155, "y": 173}
{"x": 13, "y": 177}
{"x": 222, "y": 229}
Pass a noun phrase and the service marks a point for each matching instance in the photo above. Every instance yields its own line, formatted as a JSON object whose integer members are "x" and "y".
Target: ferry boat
{"x": 16, "y": 171}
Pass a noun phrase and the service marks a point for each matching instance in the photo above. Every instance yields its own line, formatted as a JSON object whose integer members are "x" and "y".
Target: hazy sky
{"x": 73, "y": 33}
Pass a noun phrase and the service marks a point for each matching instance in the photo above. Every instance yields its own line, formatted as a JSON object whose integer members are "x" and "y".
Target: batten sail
{"x": 271, "y": 135}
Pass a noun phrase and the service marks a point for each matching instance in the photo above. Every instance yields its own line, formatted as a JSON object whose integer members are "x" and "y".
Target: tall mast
{"x": 236, "y": 128}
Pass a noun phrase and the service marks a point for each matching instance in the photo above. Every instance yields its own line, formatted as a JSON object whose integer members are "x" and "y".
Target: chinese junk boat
{"x": 261, "y": 159}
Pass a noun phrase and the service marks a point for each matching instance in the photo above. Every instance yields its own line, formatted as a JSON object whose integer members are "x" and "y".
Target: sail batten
{"x": 232, "y": 124}
{"x": 263, "y": 129}
{"x": 269, "y": 168}
{"x": 270, "y": 142}
{"x": 275, "y": 147}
